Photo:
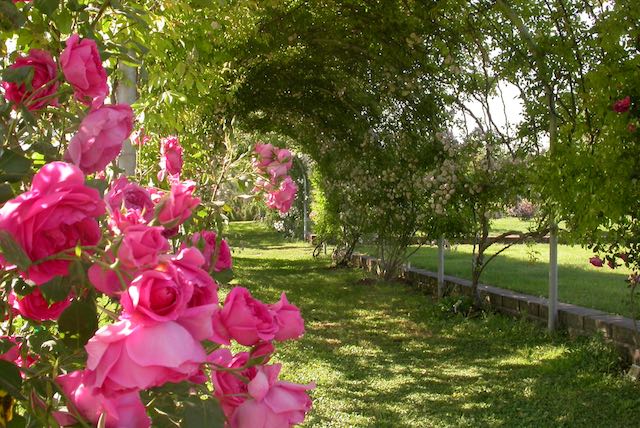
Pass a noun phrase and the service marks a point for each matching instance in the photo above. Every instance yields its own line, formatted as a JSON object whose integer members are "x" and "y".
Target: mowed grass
{"x": 382, "y": 355}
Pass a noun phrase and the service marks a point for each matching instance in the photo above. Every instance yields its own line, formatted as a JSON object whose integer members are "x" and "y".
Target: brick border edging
{"x": 577, "y": 320}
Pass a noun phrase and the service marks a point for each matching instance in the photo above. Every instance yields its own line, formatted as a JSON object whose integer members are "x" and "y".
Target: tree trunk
{"x": 126, "y": 94}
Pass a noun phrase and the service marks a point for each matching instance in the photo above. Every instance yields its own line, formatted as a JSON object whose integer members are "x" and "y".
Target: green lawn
{"x": 382, "y": 356}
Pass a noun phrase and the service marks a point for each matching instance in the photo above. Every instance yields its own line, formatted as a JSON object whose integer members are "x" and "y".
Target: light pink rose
{"x": 288, "y": 318}
{"x": 265, "y": 154}
{"x": 196, "y": 318}
{"x": 35, "y": 307}
{"x": 175, "y": 207}
{"x": 141, "y": 246}
{"x": 122, "y": 409}
{"x": 82, "y": 67}
{"x": 128, "y": 204}
{"x": 100, "y": 137}
{"x": 44, "y": 83}
{"x": 56, "y": 214}
{"x": 126, "y": 355}
{"x": 244, "y": 319}
{"x": 218, "y": 260}
{"x": 230, "y": 390}
{"x": 283, "y": 198}
{"x": 274, "y": 403}
{"x": 170, "y": 158}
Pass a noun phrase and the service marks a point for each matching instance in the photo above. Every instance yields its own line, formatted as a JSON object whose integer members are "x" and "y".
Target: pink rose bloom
{"x": 35, "y": 307}
{"x": 219, "y": 260}
{"x": 56, "y": 214}
{"x": 596, "y": 261}
{"x": 170, "y": 158}
{"x": 13, "y": 353}
{"x": 197, "y": 316}
{"x": 122, "y": 409}
{"x": 100, "y": 137}
{"x": 623, "y": 105}
{"x": 128, "y": 204}
{"x": 44, "y": 72}
{"x": 273, "y": 403}
{"x": 262, "y": 351}
{"x": 265, "y": 154}
{"x": 155, "y": 296}
{"x": 141, "y": 246}
{"x": 82, "y": 67}
{"x": 283, "y": 198}
{"x": 244, "y": 319}
{"x": 288, "y": 318}
{"x": 175, "y": 207}
{"x": 106, "y": 281}
{"x": 277, "y": 171}
{"x": 127, "y": 356}
{"x": 228, "y": 388}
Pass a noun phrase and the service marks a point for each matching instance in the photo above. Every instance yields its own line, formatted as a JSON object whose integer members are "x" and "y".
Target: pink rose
{"x": 35, "y": 307}
{"x": 623, "y": 105}
{"x": 197, "y": 316}
{"x": 141, "y": 246}
{"x": 122, "y": 409}
{"x": 100, "y": 137}
{"x": 265, "y": 154}
{"x": 217, "y": 258}
{"x": 244, "y": 319}
{"x": 170, "y": 158}
{"x": 56, "y": 214}
{"x": 14, "y": 353}
{"x": 230, "y": 390}
{"x": 128, "y": 204}
{"x": 275, "y": 403}
{"x": 156, "y": 296}
{"x": 283, "y": 198}
{"x": 262, "y": 351}
{"x": 106, "y": 280}
{"x": 44, "y": 82}
{"x": 596, "y": 261}
{"x": 288, "y": 318}
{"x": 175, "y": 207}
{"x": 127, "y": 356}
{"x": 82, "y": 67}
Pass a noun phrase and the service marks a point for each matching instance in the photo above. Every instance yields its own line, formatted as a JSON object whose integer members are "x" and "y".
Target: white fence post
{"x": 553, "y": 278}
{"x": 440, "y": 267}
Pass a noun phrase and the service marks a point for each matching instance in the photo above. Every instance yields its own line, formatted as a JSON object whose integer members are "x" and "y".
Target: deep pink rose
{"x": 44, "y": 82}
{"x": 272, "y": 402}
{"x": 56, "y": 214}
{"x": 156, "y": 296}
{"x": 175, "y": 207}
{"x": 100, "y": 137}
{"x": 244, "y": 319}
{"x": 624, "y": 257}
{"x": 265, "y": 154}
{"x": 262, "y": 351}
{"x": 283, "y": 198}
{"x": 35, "y": 307}
{"x": 596, "y": 261}
{"x": 170, "y": 158}
{"x": 122, "y": 409}
{"x": 187, "y": 268}
{"x": 230, "y": 390}
{"x": 141, "y": 246}
{"x": 623, "y": 105}
{"x": 106, "y": 280}
{"x": 82, "y": 67}
{"x": 126, "y": 355}
{"x": 128, "y": 204}
{"x": 14, "y": 353}
{"x": 288, "y": 318}
{"x": 219, "y": 260}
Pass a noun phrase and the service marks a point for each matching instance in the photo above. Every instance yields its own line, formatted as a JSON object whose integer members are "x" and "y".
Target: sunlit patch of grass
{"x": 382, "y": 356}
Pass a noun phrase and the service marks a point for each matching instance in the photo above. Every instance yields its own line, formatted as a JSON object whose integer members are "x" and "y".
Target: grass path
{"x": 383, "y": 356}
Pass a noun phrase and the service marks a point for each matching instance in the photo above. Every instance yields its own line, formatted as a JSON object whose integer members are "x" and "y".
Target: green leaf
{"x": 57, "y": 289}
{"x": 10, "y": 16}
{"x": 13, "y": 166}
{"x": 13, "y": 252}
{"x": 17, "y": 422}
{"x": 5, "y": 345}
{"x": 47, "y": 6}
{"x": 223, "y": 277}
{"x": 202, "y": 413}
{"x": 79, "y": 321}
{"x": 20, "y": 287}
{"x": 10, "y": 379}
{"x": 18, "y": 75}
{"x": 6, "y": 192}
{"x": 99, "y": 185}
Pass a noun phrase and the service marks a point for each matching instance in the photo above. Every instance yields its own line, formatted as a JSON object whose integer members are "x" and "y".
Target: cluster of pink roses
{"x": 272, "y": 165}
{"x": 169, "y": 313}
{"x": 624, "y": 105}
{"x": 101, "y": 133}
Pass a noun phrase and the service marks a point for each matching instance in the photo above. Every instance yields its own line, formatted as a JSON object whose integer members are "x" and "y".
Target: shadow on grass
{"x": 382, "y": 356}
